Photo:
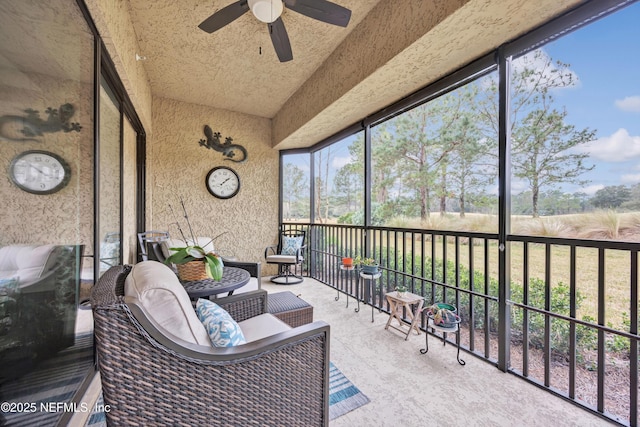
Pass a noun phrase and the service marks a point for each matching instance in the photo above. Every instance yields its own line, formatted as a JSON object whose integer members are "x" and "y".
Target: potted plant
{"x": 367, "y": 265}
{"x": 443, "y": 315}
{"x": 401, "y": 290}
{"x": 194, "y": 263}
{"x": 347, "y": 262}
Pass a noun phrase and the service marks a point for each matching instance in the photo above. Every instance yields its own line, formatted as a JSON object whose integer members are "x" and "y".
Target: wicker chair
{"x": 151, "y": 378}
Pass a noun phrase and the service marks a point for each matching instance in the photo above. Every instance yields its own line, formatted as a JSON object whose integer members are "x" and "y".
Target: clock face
{"x": 223, "y": 182}
{"x": 39, "y": 172}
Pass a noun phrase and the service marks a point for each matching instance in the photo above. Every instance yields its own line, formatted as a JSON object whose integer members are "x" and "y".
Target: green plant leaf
{"x": 214, "y": 266}
{"x": 179, "y": 257}
{"x": 195, "y": 251}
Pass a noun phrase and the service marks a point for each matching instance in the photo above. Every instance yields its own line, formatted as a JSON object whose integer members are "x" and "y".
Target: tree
{"x": 321, "y": 196}
{"x": 633, "y": 203}
{"x": 611, "y": 197}
{"x": 470, "y": 166}
{"x": 295, "y": 184}
{"x": 348, "y": 187}
{"x": 542, "y": 140}
{"x": 419, "y": 142}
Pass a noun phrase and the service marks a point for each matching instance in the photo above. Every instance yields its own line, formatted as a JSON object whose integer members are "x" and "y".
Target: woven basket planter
{"x": 192, "y": 271}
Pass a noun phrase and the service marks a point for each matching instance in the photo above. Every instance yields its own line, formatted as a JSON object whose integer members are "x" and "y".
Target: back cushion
{"x": 159, "y": 291}
{"x": 26, "y": 262}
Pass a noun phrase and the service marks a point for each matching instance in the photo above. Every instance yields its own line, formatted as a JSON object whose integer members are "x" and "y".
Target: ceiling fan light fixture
{"x": 266, "y": 10}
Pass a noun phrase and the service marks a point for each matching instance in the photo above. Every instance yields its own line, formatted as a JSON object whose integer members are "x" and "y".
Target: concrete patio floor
{"x": 407, "y": 388}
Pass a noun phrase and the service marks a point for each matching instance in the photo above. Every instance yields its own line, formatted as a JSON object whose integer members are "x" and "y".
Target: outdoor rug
{"x": 343, "y": 397}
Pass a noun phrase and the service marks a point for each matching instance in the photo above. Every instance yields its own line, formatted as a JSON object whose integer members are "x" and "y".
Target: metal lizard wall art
{"x": 227, "y": 148}
{"x": 34, "y": 126}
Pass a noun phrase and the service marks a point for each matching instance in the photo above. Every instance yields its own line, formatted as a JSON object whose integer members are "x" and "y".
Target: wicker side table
{"x": 292, "y": 310}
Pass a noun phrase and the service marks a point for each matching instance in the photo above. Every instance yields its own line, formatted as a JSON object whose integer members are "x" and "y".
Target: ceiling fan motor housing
{"x": 266, "y": 10}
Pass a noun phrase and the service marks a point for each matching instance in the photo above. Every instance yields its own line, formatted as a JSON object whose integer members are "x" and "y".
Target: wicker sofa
{"x": 151, "y": 377}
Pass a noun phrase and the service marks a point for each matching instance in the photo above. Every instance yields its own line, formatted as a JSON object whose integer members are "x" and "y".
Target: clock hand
{"x": 39, "y": 170}
{"x": 222, "y": 183}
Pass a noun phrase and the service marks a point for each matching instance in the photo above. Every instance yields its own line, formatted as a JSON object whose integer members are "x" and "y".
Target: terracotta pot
{"x": 347, "y": 262}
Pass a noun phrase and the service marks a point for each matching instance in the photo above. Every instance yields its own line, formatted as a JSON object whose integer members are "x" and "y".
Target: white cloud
{"x": 630, "y": 178}
{"x": 540, "y": 61}
{"x": 339, "y": 162}
{"x": 618, "y": 147}
{"x": 590, "y": 190}
{"x": 518, "y": 186}
{"x": 630, "y": 103}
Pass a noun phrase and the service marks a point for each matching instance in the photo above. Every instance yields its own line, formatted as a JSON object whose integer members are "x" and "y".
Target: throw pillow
{"x": 222, "y": 329}
{"x": 291, "y": 244}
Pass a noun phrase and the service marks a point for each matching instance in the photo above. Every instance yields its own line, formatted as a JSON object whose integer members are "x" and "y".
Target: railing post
{"x": 504, "y": 212}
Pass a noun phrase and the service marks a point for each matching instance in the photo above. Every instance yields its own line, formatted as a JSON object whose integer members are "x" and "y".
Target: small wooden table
{"x": 397, "y": 303}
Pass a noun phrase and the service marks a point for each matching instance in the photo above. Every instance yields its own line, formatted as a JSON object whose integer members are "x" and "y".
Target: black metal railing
{"x": 565, "y": 324}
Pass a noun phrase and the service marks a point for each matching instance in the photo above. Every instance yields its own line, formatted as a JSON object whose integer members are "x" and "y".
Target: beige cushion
{"x": 26, "y": 262}
{"x": 159, "y": 291}
{"x": 262, "y": 326}
{"x": 283, "y": 259}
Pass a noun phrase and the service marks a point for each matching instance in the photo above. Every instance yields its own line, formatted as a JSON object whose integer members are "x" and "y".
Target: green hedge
{"x": 586, "y": 337}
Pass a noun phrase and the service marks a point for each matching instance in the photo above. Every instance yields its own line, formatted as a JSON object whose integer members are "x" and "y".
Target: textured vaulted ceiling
{"x": 226, "y": 69}
{"x": 338, "y": 75}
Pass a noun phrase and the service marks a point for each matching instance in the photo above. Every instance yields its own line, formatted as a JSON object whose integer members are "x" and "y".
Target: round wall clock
{"x": 39, "y": 172}
{"x": 223, "y": 182}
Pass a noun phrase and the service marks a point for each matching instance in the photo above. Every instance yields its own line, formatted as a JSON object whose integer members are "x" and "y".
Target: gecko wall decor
{"x": 30, "y": 126}
{"x": 227, "y": 148}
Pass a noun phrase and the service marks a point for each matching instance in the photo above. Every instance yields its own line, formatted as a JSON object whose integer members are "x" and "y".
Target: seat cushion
{"x": 222, "y": 329}
{"x": 283, "y": 259}
{"x": 262, "y": 326}
{"x": 158, "y": 290}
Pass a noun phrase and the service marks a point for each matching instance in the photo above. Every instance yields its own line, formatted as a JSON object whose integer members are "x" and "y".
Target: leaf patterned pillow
{"x": 290, "y": 245}
{"x": 222, "y": 329}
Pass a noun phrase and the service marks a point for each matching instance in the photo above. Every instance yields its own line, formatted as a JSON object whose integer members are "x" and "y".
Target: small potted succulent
{"x": 401, "y": 290}
{"x": 443, "y": 315}
{"x": 367, "y": 265}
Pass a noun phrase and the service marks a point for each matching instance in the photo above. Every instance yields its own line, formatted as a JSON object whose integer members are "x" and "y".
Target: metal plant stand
{"x": 455, "y": 328}
{"x": 370, "y": 280}
{"x": 348, "y": 272}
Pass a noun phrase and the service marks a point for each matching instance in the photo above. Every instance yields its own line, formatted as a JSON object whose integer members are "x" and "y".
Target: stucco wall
{"x": 177, "y": 167}
{"x": 113, "y": 22}
{"x": 64, "y": 217}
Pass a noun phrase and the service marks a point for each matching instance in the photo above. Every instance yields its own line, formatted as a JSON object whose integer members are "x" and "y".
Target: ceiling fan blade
{"x": 322, "y": 10}
{"x": 280, "y": 40}
{"x": 224, "y": 16}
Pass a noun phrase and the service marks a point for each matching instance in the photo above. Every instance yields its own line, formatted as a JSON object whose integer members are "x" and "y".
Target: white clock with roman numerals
{"x": 223, "y": 182}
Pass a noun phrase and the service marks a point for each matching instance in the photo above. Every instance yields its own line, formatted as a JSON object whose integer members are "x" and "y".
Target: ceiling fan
{"x": 270, "y": 11}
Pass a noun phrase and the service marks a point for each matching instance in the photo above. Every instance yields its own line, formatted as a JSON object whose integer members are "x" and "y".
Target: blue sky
{"x": 605, "y": 56}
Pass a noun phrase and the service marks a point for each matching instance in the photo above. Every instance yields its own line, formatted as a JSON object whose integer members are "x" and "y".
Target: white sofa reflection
{"x": 38, "y": 304}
